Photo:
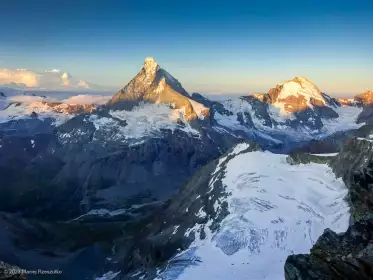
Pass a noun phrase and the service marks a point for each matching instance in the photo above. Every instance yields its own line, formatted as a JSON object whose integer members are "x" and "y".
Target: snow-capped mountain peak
{"x": 150, "y": 65}
{"x": 301, "y": 86}
{"x": 295, "y": 95}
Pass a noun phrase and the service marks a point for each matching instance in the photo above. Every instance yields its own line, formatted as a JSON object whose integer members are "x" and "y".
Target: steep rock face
{"x": 347, "y": 255}
{"x": 336, "y": 256}
{"x": 354, "y": 164}
{"x": 260, "y": 110}
{"x": 154, "y": 84}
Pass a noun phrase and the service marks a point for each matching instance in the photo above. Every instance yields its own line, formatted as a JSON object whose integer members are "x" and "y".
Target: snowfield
{"x": 275, "y": 209}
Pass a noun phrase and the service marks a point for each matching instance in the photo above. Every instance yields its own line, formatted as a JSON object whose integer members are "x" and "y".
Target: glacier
{"x": 275, "y": 209}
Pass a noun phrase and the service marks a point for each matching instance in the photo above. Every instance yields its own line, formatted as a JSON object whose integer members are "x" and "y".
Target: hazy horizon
{"x": 209, "y": 47}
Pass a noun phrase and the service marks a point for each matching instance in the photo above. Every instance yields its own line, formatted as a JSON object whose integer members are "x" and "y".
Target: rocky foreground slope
{"x": 347, "y": 255}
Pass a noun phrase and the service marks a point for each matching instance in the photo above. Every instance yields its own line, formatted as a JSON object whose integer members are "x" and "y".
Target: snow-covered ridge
{"x": 23, "y": 106}
{"x": 275, "y": 209}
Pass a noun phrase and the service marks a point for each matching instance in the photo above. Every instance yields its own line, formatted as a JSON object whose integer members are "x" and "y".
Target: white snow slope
{"x": 276, "y": 209}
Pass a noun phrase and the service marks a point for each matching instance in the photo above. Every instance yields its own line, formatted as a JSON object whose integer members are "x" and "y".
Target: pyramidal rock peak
{"x": 155, "y": 85}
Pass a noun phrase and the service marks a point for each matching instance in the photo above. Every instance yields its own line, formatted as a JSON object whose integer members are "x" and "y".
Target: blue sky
{"x": 210, "y": 46}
